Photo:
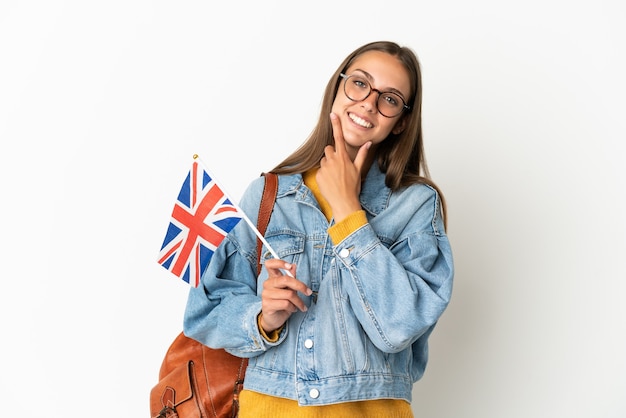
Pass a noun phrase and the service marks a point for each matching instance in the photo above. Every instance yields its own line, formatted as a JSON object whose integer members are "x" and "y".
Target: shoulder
{"x": 252, "y": 195}
{"x": 423, "y": 202}
{"x": 287, "y": 184}
{"x": 416, "y": 191}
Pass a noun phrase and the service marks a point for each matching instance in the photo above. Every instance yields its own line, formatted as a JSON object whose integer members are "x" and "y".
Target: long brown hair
{"x": 400, "y": 156}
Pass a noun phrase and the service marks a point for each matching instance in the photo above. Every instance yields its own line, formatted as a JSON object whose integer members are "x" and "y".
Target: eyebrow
{"x": 371, "y": 79}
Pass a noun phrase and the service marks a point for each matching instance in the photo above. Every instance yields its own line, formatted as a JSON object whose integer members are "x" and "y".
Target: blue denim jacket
{"x": 380, "y": 293}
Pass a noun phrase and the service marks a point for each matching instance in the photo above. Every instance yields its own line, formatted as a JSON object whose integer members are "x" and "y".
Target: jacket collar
{"x": 374, "y": 194}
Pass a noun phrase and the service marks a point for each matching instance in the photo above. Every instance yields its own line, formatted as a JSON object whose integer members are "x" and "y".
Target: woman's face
{"x": 360, "y": 120}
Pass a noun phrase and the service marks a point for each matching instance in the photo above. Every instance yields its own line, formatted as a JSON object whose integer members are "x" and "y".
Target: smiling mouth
{"x": 359, "y": 121}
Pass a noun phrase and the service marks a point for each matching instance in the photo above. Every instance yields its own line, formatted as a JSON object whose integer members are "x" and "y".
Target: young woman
{"x": 338, "y": 325}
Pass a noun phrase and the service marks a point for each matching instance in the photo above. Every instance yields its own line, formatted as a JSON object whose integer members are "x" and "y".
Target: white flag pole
{"x": 241, "y": 212}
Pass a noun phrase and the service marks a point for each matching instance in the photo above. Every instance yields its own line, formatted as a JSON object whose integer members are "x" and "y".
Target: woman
{"x": 338, "y": 324}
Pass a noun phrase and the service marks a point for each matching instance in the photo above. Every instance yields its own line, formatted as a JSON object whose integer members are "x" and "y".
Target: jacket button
{"x": 308, "y": 343}
{"x": 314, "y": 393}
{"x": 344, "y": 253}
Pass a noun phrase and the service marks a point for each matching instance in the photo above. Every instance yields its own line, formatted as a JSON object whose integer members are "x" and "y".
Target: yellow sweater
{"x": 259, "y": 405}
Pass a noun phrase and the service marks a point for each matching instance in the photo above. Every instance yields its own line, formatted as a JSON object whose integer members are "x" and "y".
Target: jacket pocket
{"x": 287, "y": 245}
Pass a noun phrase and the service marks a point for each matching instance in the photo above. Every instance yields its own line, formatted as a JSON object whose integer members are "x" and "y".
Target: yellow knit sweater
{"x": 259, "y": 405}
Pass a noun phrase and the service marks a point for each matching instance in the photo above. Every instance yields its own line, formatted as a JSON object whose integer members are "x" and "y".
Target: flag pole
{"x": 241, "y": 212}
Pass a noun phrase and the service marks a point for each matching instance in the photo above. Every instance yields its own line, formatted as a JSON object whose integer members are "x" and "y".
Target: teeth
{"x": 360, "y": 121}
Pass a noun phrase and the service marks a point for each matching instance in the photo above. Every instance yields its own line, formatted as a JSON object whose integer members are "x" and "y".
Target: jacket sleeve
{"x": 398, "y": 289}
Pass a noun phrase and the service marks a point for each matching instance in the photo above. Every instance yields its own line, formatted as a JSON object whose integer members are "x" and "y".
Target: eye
{"x": 391, "y": 99}
{"x": 360, "y": 83}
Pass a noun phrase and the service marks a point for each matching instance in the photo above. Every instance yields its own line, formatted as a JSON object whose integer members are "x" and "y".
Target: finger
{"x": 278, "y": 295}
{"x": 288, "y": 301}
{"x": 275, "y": 300}
{"x": 277, "y": 267}
{"x": 329, "y": 153}
{"x": 340, "y": 145}
{"x": 362, "y": 155}
{"x": 291, "y": 272}
{"x": 276, "y": 264}
{"x": 287, "y": 282}
{"x": 282, "y": 275}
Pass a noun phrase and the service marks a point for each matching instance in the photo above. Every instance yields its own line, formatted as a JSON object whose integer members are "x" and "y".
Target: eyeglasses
{"x": 357, "y": 88}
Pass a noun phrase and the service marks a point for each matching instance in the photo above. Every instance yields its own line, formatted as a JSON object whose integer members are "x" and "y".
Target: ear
{"x": 399, "y": 126}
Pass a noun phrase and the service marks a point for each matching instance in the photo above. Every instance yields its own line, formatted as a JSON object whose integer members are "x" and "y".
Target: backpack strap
{"x": 265, "y": 211}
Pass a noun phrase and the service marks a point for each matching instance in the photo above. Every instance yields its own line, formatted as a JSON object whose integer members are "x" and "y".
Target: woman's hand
{"x": 339, "y": 178}
{"x": 279, "y": 298}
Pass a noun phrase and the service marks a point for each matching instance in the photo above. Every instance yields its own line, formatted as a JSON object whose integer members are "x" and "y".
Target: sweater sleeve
{"x": 348, "y": 225}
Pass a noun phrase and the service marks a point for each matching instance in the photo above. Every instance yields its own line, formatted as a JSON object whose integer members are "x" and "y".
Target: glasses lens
{"x": 356, "y": 88}
{"x": 390, "y": 104}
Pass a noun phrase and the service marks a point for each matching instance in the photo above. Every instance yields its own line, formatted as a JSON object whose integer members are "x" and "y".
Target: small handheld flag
{"x": 203, "y": 215}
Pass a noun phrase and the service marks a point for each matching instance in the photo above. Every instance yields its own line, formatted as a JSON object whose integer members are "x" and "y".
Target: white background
{"x": 103, "y": 104}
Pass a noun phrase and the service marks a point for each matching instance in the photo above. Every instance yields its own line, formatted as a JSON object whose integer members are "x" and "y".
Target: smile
{"x": 359, "y": 121}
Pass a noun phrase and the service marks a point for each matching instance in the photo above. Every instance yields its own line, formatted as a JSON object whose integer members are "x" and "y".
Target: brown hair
{"x": 400, "y": 156}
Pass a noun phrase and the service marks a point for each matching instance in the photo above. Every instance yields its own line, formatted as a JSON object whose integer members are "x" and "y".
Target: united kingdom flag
{"x": 202, "y": 217}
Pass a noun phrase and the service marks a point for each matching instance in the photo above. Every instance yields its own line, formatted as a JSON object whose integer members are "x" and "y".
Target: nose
{"x": 370, "y": 103}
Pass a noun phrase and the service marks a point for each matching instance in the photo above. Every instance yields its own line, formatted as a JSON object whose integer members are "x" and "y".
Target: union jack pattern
{"x": 202, "y": 217}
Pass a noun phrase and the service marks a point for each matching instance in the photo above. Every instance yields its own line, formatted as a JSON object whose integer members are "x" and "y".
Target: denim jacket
{"x": 377, "y": 294}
